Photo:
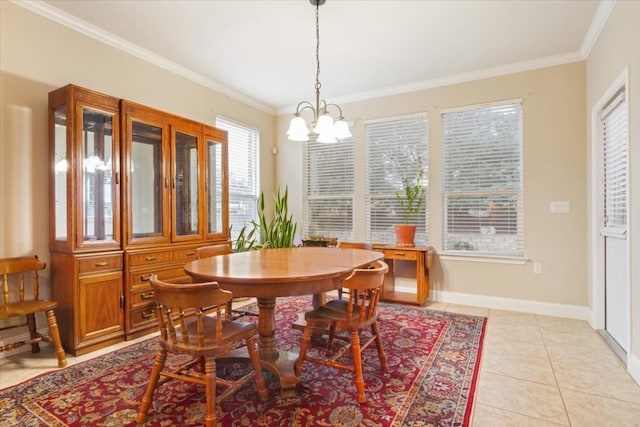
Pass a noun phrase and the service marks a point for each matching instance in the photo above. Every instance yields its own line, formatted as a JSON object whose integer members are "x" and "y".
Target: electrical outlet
{"x": 537, "y": 267}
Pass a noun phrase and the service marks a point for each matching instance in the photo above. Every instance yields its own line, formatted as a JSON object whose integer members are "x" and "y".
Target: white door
{"x": 614, "y": 228}
{"x": 616, "y": 289}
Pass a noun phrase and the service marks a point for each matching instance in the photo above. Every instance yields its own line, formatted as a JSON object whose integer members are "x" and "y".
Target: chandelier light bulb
{"x": 298, "y": 130}
{"x": 341, "y": 130}
{"x": 324, "y": 125}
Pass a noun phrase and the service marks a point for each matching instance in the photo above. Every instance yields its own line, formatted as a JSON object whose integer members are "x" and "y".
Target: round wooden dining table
{"x": 271, "y": 273}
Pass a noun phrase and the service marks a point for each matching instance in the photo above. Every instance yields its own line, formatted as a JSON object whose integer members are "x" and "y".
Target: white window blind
{"x": 397, "y": 148}
{"x": 614, "y": 135}
{"x": 482, "y": 179}
{"x": 328, "y": 207}
{"x": 243, "y": 149}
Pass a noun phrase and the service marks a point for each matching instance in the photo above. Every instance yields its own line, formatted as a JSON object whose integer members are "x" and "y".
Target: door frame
{"x": 595, "y": 238}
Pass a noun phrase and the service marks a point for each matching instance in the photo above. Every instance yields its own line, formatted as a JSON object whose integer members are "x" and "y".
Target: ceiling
{"x": 263, "y": 51}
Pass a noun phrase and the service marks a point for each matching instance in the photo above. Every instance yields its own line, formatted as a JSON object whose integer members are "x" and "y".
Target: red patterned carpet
{"x": 433, "y": 366}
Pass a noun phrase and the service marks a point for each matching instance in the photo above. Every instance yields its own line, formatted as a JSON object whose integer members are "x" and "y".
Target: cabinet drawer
{"x": 400, "y": 254}
{"x": 149, "y": 258}
{"x": 187, "y": 254}
{"x": 141, "y": 278}
{"x": 142, "y": 297}
{"x": 100, "y": 263}
{"x": 143, "y": 316}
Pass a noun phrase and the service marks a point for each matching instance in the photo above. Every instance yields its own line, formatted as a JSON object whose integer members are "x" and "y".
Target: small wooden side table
{"x": 421, "y": 257}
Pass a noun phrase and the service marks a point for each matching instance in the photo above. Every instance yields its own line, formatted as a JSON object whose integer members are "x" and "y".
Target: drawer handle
{"x": 148, "y": 314}
{"x": 150, "y": 258}
{"x": 102, "y": 264}
{"x": 146, "y": 295}
{"x": 400, "y": 253}
{"x": 144, "y": 278}
{"x": 191, "y": 253}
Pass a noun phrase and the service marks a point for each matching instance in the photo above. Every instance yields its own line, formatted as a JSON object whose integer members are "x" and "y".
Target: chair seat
{"x": 335, "y": 314}
{"x": 232, "y": 332}
{"x": 26, "y": 307}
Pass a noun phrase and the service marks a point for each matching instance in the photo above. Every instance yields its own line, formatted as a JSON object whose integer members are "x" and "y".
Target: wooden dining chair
{"x": 350, "y": 317}
{"x": 299, "y": 323}
{"x": 352, "y": 245}
{"x": 186, "y": 328}
{"x": 222, "y": 249}
{"x": 18, "y": 274}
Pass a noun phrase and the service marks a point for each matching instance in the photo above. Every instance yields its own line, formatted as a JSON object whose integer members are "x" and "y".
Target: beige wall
{"x": 38, "y": 55}
{"x": 554, "y": 170}
{"x": 616, "y": 50}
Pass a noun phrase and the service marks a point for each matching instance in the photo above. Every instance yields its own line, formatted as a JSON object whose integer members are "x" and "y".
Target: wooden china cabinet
{"x": 133, "y": 191}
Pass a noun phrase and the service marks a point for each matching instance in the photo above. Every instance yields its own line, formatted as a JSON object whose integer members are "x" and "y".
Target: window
{"x": 614, "y": 134}
{"x": 397, "y": 148}
{"x": 329, "y": 176}
{"x": 482, "y": 179}
{"x": 243, "y": 149}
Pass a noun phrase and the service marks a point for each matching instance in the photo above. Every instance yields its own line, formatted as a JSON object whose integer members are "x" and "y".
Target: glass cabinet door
{"x": 185, "y": 188}
{"x": 146, "y": 183}
{"x": 216, "y": 198}
{"x": 99, "y": 186}
{"x": 61, "y": 172}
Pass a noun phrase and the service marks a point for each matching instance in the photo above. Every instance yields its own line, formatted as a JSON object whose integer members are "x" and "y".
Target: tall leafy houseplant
{"x": 411, "y": 199}
{"x": 280, "y": 231}
{"x": 246, "y": 239}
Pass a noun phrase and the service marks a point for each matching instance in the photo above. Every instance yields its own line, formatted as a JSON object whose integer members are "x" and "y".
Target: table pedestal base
{"x": 282, "y": 366}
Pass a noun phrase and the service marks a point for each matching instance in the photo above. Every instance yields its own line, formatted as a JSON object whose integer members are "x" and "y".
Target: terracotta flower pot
{"x": 405, "y": 234}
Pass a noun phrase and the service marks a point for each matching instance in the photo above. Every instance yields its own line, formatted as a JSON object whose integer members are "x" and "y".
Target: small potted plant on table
{"x": 411, "y": 200}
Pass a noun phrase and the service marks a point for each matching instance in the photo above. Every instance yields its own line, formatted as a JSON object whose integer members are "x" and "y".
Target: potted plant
{"x": 280, "y": 232}
{"x": 411, "y": 200}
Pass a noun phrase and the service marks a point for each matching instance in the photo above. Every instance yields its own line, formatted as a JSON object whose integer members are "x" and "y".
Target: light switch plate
{"x": 559, "y": 207}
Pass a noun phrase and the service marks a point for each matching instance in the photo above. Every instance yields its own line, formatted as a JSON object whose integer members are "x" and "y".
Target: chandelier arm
{"x": 322, "y": 107}
{"x": 334, "y": 105}
{"x": 306, "y": 105}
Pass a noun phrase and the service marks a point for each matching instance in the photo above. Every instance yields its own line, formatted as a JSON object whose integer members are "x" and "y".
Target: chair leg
{"x": 229, "y": 310}
{"x": 55, "y": 336}
{"x": 357, "y": 366}
{"x": 33, "y": 333}
{"x": 255, "y": 361}
{"x": 332, "y": 334}
{"x": 211, "y": 419}
{"x": 375, "y": 329}
{"x": 145, "y": 404}
{"x": 304, "y": 345}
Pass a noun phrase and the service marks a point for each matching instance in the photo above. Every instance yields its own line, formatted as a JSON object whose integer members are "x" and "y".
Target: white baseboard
{"x": 633, "y": 367}
{"x": 526, "y": 306}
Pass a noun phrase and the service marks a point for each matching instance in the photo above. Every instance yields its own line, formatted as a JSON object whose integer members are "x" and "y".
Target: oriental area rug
{"x": 433, "y": 361}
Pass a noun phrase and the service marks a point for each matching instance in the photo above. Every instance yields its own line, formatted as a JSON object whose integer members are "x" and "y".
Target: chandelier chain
{"x": 318, "y": 85}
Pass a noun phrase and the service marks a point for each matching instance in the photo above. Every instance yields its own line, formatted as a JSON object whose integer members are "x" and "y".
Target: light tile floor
{"x": 535, "y": 371}
{"x": 548, "y": 371}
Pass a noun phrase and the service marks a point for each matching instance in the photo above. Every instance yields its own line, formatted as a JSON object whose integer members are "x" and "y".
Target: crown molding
{"x": 83, "y": 27}
{"x": 456, "y": 79}
{"x": 597, "y": 24}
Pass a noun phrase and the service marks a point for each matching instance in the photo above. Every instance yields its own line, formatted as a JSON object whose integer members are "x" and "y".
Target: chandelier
{"x": 324, "y": 129}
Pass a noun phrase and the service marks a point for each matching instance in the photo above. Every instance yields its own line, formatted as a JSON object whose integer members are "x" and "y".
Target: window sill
{"x": 497, "y": 259}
